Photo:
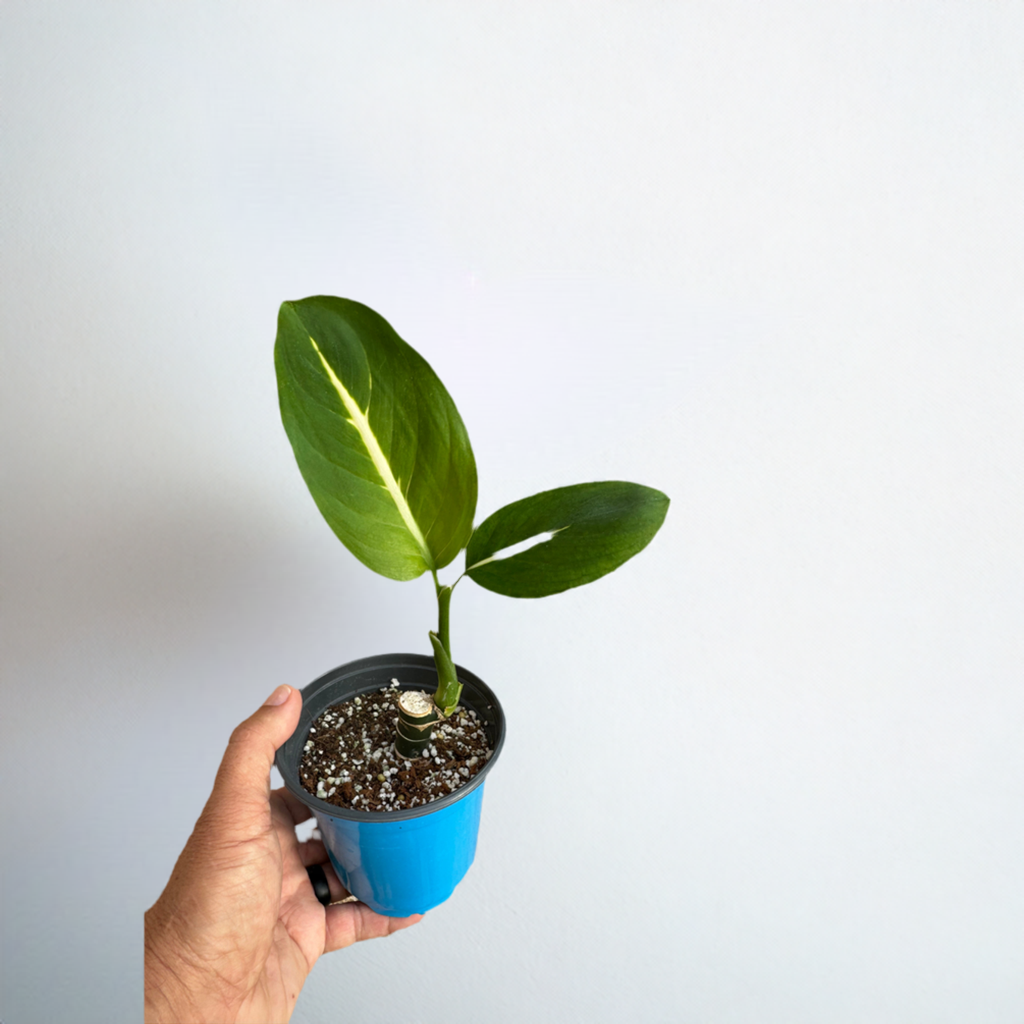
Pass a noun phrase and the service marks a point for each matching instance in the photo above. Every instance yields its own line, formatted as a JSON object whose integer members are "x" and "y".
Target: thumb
{"x": 241, "y": 793}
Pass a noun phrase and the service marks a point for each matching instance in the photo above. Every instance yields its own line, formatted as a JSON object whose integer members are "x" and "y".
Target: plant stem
{"x": 449, "y": 689}
{"x": 444, "y": 603}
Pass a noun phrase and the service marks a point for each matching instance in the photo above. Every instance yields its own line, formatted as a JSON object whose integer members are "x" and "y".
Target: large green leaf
{"x": 594, "y": 527}
{"x": 376, "y": 435}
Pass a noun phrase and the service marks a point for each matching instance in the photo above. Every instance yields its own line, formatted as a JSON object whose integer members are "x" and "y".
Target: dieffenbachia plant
{"x": 387, "y": 459}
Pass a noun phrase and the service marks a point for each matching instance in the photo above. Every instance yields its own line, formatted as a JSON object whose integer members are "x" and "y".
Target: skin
{"x": 238, "y": 929}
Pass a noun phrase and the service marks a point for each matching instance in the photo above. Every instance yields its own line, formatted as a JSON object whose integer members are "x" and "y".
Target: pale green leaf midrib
{"x": 536, "y": 541}
{"x": 361, "y": 422}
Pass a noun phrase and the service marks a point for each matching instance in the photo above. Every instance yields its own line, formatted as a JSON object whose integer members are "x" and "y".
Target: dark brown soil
{"x": 350, "y": 759}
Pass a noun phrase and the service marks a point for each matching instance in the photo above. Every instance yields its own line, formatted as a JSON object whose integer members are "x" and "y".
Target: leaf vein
{"x": 358, "y": 418}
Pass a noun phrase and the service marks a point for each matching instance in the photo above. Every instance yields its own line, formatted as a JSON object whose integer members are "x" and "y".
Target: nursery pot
{"x": 396, "y": 862}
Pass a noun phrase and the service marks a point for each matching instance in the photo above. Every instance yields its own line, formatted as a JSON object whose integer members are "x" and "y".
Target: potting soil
{"x": 350, "y": 759}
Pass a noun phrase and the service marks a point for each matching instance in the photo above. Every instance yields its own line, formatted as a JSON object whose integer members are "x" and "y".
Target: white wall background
{"x": 767, "y": 258}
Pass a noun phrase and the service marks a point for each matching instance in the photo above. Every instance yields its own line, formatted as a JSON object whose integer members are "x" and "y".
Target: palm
{"x": 298, "y": 927}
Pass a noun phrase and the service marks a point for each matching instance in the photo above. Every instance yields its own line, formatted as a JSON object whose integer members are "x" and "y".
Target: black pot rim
{"x": 329, "y": 689}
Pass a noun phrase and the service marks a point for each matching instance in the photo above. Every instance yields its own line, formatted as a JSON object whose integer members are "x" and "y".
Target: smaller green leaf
{"x": 593, "y": 529}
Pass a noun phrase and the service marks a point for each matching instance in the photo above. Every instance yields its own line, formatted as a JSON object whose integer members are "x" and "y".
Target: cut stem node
{"x": 417, "y": 714}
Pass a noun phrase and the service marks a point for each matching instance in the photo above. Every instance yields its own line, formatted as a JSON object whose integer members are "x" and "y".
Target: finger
{"x": 313, "y": 851}
{"x": 338, "y": 891}
{"x": 354, "y": 922}
{"x": 296, "y": 808}
{"x": 240, "y": 802}
{"x": 298, "y": 811}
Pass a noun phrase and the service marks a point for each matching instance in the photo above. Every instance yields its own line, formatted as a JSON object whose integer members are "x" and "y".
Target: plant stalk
{"x": 444, "y": 603}
{"x": 449, "y": 689}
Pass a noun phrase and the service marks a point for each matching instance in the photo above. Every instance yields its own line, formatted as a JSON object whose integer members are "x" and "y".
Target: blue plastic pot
{"x": 398, "y": 862}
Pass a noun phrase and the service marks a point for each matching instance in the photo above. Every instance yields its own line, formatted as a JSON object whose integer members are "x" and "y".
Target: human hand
{"x": 238, "y": 928}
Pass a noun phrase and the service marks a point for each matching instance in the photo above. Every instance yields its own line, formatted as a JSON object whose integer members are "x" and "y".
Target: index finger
{"x": 298, "y": 811}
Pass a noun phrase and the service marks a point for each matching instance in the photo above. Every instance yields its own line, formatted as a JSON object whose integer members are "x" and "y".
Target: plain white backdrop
{"x": 767, "y": 258}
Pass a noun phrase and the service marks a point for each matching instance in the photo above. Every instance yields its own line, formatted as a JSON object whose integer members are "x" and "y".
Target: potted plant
{"x": 388, "y": 462}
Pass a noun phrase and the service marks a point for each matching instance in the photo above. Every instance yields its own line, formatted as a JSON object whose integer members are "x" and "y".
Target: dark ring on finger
{"x": 317, "y": 878}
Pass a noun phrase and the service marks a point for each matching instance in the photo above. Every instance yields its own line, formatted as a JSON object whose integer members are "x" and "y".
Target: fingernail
{"x": 279, "y": 696}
